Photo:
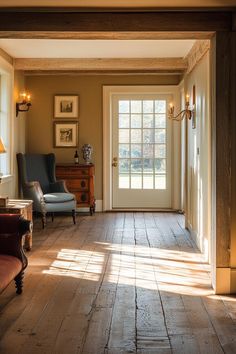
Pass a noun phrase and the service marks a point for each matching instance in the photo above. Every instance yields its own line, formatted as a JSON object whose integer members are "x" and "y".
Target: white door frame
{"x": 108, "y": 91}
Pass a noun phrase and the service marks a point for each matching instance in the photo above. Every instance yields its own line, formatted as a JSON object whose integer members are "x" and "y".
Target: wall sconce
{"x": 25, "y": 102}
{"x": 185, "y": 113}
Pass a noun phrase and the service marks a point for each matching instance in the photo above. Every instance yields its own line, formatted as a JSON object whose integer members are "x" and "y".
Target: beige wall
{"x": 19, "y": 131}
{"x": 39, "y": 137}
{"x": 198, "y": 210}
{"x": 9, "y": 187}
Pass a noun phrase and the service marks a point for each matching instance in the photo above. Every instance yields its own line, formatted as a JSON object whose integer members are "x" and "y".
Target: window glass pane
{"x": 124, "y": 181}
{"x": 147, "y": 182}
{"x": 147, "y": 166}
{"x": 123, "y": 106}
{"x": 160, "y": 166}
{"x": 160, "y": 182}
{"x": 124, "y": 121}
{"x": 136, "y": 136}
{"x": 136, "y": 150}
{"x": 148, "y": 135}
{"x": 136, "y": 106}
{"x": 160, "y": 136}
{"x": 148, "y": 106}
{"x": 136, "y": 182}
{"x": 136, "y": 165}
{"x": 160, "y": 120}
{"x": 142, "y": 144}
{"x": 160, "y": 106}
{"x": 147, "y": 150}
{"x": 123, "y": 150}
{"x": 124, "y": 165}
{"x": 136, "y": 121}
{"x": 148, "y": 121}
{"x": 160, "y": 150}
{"x": 123, "y": 135}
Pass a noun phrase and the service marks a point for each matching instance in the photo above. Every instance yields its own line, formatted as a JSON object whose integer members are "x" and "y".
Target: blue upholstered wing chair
{"x": 38, "y": 182}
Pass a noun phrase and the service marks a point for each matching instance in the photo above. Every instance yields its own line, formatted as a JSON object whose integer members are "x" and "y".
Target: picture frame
{"x": 65, "y": 134}
{"x": 66, "y": 106}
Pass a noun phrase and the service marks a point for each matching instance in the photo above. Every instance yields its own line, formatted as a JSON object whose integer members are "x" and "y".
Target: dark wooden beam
{"x": 233, "y": 151}
{"x": 116, "y": 9}
{"x": 223, "y": 149}
{"x": 115, "y": 21}
{"x": 234, "y": 21}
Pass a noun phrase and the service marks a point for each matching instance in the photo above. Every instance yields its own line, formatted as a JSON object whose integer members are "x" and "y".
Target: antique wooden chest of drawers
{"x": 79, "y": 181}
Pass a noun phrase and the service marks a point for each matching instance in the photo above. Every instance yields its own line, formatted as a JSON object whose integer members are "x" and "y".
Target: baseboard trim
{"x": 99, "y": 204}
{"x": 150, "y": 210}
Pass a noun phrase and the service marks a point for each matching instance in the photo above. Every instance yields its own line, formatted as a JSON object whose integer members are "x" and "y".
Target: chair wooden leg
{"x": 73, "y": 216}
{"x": 52, "y": 215}
{"x": 19, "y": 282}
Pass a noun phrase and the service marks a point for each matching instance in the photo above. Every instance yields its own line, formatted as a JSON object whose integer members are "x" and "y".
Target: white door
{"x": 141, "y": 151}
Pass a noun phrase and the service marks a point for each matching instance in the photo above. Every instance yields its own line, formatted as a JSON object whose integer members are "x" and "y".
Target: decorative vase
{"x": 87, "y": 152}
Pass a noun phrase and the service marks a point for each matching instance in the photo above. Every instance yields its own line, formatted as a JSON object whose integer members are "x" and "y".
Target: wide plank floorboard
{"x": 116, "y": 283}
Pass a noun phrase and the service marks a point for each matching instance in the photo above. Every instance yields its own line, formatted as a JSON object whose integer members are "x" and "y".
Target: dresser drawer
{"x": 77, "y": 184}
{"x": 72, "y": 171}
{"x": 82, "y": 197}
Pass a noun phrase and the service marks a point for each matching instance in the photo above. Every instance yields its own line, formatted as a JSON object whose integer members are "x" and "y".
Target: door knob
{"x": 114, "y": 163}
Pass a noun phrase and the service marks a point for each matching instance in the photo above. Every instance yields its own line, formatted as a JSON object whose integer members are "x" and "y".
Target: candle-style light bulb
{"x": 28, "y": 98}
{"x": 171, "y": 106}
{"x": 187, "y": 100}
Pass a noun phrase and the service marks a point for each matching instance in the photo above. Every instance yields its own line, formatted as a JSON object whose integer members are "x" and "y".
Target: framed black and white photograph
{"x": 66, "y": 106}
{"x": 65, "y": 134}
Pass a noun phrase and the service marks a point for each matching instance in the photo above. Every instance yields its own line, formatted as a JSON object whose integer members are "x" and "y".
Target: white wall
{"x": 198, "y": 203}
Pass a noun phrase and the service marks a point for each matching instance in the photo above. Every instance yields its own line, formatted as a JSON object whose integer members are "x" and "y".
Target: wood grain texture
{"x": 104, "y": 64}
{"x": 233, "y": 147}
{"x": 196, "y": 53}
{"x": 115, "y": 21}
{"x": 223, "y": 149}
{"x": 107, "y": 35}
{"x": 116, "y": 283}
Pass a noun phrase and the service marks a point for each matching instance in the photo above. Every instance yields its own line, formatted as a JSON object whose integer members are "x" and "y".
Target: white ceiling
{"x": 52, "y": 48}
{"x": 122, "y": 3}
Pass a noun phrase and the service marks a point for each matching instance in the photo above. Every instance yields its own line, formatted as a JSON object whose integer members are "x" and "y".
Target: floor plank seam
{"x": 112, "y": 314}
{"x": 161, "y": 302}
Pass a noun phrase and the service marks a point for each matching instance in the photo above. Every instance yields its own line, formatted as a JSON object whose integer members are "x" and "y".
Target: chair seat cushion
{"x": 58, "y": 197}
{"x": 10, "y": 267}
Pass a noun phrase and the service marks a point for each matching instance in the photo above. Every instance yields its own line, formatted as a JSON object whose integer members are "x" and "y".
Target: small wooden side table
{"x": 24, "y": 208}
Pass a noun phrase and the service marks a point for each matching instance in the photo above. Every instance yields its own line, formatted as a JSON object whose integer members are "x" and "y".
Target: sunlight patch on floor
{"x": 141, "y": 266}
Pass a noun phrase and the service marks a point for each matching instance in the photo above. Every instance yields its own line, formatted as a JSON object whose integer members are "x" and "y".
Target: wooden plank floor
{"x": 116, "y": 283}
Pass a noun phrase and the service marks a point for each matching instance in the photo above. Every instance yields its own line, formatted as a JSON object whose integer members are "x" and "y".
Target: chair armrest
{"x": 59, "y": 187}
{"x": 32, "y": 190}
{"x": 12, "y": 229}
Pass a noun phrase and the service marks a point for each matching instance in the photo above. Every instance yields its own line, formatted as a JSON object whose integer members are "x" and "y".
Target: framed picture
{"x": 65, "y": 134}
{"x": 66, "y": 106}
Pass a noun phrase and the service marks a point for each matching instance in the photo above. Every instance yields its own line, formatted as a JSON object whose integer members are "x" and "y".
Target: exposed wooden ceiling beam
{"x": 145, "y": 8}
{"x": 196, "y": 53}
{"x": 116, "y": 21}
{"x": 6, "y": 56}
{"x": 145, "y": 65}
{"x": 105, "y": 35}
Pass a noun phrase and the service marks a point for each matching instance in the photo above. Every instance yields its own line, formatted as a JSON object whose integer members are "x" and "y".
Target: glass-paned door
{"x": 141, "y": 152}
